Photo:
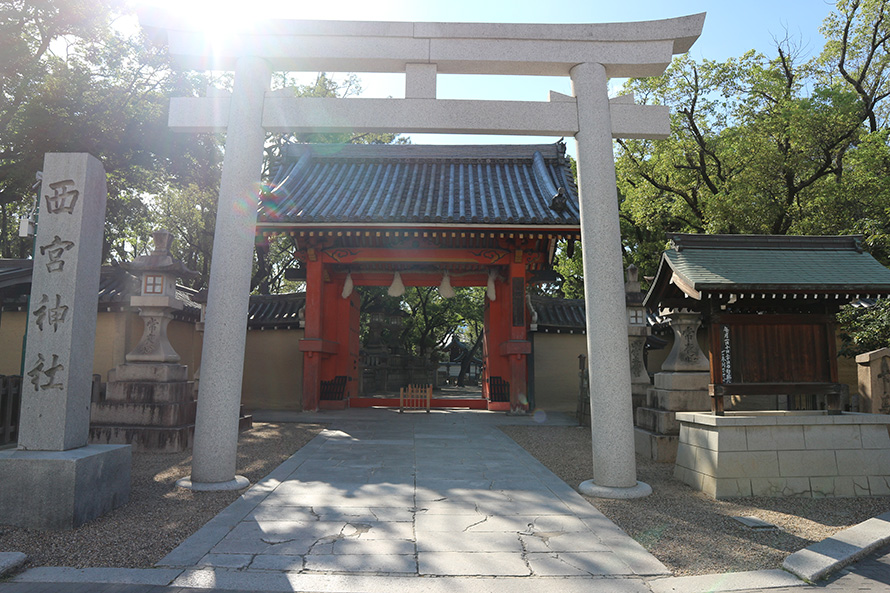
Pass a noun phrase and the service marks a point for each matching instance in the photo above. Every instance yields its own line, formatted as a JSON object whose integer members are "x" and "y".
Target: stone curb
{"x": 116, "y": 576}
{"x": 845, "y": 547}
{"x": 10, "y": 562}
{"x": 733, "y": 581}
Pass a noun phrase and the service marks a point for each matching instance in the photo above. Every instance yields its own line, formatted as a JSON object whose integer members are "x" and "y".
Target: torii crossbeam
{"x": 588, "y": 53}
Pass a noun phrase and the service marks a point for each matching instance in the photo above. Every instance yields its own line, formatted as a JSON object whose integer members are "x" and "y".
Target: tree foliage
{"x": 431, "y": 321}
{"x": 71, "y": 82}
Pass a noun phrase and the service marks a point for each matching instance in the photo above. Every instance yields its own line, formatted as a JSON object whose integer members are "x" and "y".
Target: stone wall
{"x": 273, "y": 370}
{"x": 808, "y": 454}
{"x": 117, "y": 333}
{"x": 556, "y": 370}
{"x": 12, "y": 328}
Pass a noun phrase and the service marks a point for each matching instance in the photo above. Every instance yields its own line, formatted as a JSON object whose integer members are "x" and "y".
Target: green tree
{"x": 73, "y": 83}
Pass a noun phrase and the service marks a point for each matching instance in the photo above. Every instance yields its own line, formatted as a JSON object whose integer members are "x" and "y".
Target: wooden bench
{"x": 415, "y": 397}
{"x": 833, "y": 391}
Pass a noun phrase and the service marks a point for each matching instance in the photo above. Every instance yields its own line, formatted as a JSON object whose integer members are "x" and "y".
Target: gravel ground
{"x": 688, "y": 531}
{"x": 159, "y": 515}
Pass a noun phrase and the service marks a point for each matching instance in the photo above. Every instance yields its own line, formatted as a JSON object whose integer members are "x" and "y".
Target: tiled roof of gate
{"x": 418, "y": 184}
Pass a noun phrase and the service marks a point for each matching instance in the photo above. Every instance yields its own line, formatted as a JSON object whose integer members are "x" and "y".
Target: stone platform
{"x": 809, "y": 454}
{"x": 63, "y": 489}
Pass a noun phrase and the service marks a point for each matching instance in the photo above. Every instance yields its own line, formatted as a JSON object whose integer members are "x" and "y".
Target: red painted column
{"x": 518, "y": 347}
{"x": 312, "y": 336}
{"x": 341, "y": 324}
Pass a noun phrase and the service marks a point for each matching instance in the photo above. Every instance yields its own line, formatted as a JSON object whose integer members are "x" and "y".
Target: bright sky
{"x": 731, "y": 28}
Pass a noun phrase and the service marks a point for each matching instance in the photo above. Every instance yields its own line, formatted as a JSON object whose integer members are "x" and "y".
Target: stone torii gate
{"x": 588, "y": 53}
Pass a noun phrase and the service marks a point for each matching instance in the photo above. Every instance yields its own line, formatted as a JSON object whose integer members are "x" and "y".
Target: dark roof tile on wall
{"x": 421, "y": 184}
{"x": 116, "y": 286}
{"x": 563, "y": 315}
{"x": 278, "y": 311}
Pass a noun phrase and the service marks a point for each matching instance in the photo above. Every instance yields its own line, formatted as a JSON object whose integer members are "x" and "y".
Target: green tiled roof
{"x": 770, "y": 263}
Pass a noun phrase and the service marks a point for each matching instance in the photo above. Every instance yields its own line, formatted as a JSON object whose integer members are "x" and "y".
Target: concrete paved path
{"x": 382, "y": 494}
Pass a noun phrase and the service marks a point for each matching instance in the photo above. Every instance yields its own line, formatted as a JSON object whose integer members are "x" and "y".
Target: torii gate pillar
{"x": 219, "y": 394}
{"x": 611, "y": 410}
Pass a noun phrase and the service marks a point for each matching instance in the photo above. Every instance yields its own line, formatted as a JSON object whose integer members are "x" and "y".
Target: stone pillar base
{"x": 589, "y": 488}
{"x": 236, "y": 483}
{"x": 63, "y": 489}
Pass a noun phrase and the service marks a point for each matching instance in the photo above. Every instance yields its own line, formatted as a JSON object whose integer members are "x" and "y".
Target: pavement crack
{"x": 556, "y": 556}
{"x": 274, "y": 541}
{"x": 359, "y": 529}
{"x": 545, "y": 536}
{"x": 468, "y": 527}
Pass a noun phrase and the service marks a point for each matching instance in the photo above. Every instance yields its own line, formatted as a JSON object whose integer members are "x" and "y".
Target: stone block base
{"x": 150, "y": 372}
{"x": 661, "y": 448}
{"x": 63, "y": 489}
{"x": 809, "y": 454}
{"x": 660, "y": 421}
{"x": 153, "y": 392}
{"x": 687, "y": 381}
{"x": 143, "y": 414}
{"x": 148, "y": 405}
{"x": 678, "y": 400}
{"x": 656, "y": 426}
{"x": 145, "y": 439}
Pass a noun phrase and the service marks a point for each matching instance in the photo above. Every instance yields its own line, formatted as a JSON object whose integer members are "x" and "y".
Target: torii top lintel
{"x": 632, "y": 49}
{"x": 421, "y": 51}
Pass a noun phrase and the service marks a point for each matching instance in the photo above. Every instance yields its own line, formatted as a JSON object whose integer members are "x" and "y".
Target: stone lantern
{"x": 685, "y": 355}
{"x": 156, "y": 301}
{"x": 150, "y": 403}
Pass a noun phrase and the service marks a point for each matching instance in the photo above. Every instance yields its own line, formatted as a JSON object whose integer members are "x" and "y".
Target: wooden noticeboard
{"x": 750, "y": 349}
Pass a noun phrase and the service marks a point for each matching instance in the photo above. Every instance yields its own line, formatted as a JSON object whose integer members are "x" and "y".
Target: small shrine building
{"x": 769, "y": 304}
{"x": 418, "y": 215}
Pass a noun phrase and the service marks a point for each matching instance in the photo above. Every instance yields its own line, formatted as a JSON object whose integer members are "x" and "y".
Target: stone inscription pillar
{"x": 62, "y": 317}
{"x": 219, "y": 396}
{"x": 54, "y": 480}
{"x": 614, "y": 463}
